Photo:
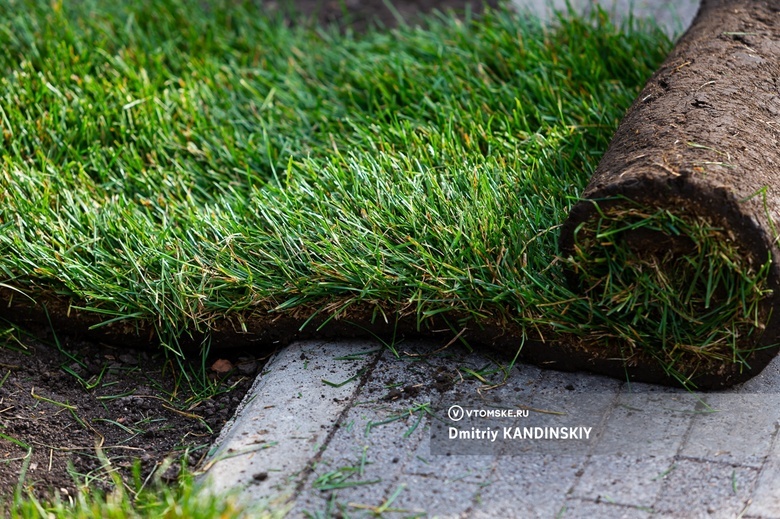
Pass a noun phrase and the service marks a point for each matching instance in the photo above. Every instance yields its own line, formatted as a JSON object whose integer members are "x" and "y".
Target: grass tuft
{"x": 146, "y": 499}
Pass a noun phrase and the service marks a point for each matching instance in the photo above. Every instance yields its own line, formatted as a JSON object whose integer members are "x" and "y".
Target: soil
{"x": 74, "y": 409}
{"x": 361, "y": 14}
{"x": 73, "y": 412}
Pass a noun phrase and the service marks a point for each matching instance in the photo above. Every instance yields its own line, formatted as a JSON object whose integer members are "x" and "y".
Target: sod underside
{"x": 185, "y": 174}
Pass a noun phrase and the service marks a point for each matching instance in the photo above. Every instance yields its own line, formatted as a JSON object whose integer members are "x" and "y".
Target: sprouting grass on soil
{"x": 175, "y": 163}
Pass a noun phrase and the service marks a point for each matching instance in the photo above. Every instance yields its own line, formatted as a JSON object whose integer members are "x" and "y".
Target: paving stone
{"x": 532, "y": 485}
{"x": 346, "y": 477}
{"x": 733, "y": 428}
{"x": 703, "y": 489}
{"x": 578, "y": 508}
{"x": 646, "y": 424}
{"x": 637, "y": 444}
{"x": 424, "y": 463}
{"x": 768, "y": 381}
{"x": 566, "y": 400}
{"x": 436, "y": 496}
{"x": 631, "y": 480}
{"x": 673, "y": 16}
{"x": 765, "y": 501}
{"x": 286, "y": 418}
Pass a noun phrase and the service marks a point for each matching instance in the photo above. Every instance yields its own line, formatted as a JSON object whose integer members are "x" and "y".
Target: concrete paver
{"x": 436, "y": 498}
{"x": 673, "y": 15}
{"x": 657, "y": 450}
{"x": 625, "y": 480}
{"x": 602, "y": 510}
{"x": 645, "y": 429}
{"x": 724, "y": 420}
{"x": 286, "y": 417}
{"x": 765, "y": 501}
{"x": 702, "y": 489}
{"x": 531, "y": 485}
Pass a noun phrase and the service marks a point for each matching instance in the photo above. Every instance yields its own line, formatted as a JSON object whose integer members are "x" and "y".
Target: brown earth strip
{"x": 80, "y": 411}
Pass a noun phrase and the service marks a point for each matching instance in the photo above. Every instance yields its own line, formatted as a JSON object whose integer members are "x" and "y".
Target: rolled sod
{"x": 674, "y": 241}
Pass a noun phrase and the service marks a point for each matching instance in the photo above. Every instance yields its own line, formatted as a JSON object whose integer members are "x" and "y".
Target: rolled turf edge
{"x": 674, "y": 240}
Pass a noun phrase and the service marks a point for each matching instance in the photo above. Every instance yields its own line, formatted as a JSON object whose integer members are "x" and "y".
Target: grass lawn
{"x": 169, "y": 164}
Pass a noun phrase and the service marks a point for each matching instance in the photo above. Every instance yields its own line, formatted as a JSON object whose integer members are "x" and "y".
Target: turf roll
{"x": 673, "y": 243}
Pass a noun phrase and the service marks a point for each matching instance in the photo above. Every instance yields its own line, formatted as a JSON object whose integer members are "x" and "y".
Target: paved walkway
{"x": 347, "y": 427}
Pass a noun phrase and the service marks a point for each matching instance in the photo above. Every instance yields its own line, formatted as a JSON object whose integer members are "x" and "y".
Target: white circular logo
{"x": 455, "y": 413}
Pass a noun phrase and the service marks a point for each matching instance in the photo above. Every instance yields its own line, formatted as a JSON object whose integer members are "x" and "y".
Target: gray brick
{"x": 623, "y": 479}
{"x": 703, "y": 489}
{"x": 577, "y": 508}
{"x": 285, "y": 418}
{"x": 733, "y": 428}
{"x": 765, "y": 501}
{"x": 532, "y": 485}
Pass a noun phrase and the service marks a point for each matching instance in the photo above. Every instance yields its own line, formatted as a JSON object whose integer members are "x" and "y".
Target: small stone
{"x": 247, "y": 367}
{"x": 222, "y": 366}
{"x": 171, "y": 473}
{"x": 129, "y": 359}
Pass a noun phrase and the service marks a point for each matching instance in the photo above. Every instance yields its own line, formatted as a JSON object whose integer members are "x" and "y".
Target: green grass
{"x": 139, "y": 500}
{"x": 172, "y": 164}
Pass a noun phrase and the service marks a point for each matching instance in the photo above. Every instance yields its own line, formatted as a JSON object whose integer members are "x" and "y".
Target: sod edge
{"x": 265, "y": 330}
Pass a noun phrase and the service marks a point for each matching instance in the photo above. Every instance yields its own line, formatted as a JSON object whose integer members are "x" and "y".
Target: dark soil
{"x": 62, "y": 407}
{"x": 73, "y": 409}
{"x": 361, "y": 14}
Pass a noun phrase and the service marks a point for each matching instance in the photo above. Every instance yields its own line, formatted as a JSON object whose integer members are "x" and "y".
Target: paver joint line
{"x": 367, "y": 372}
